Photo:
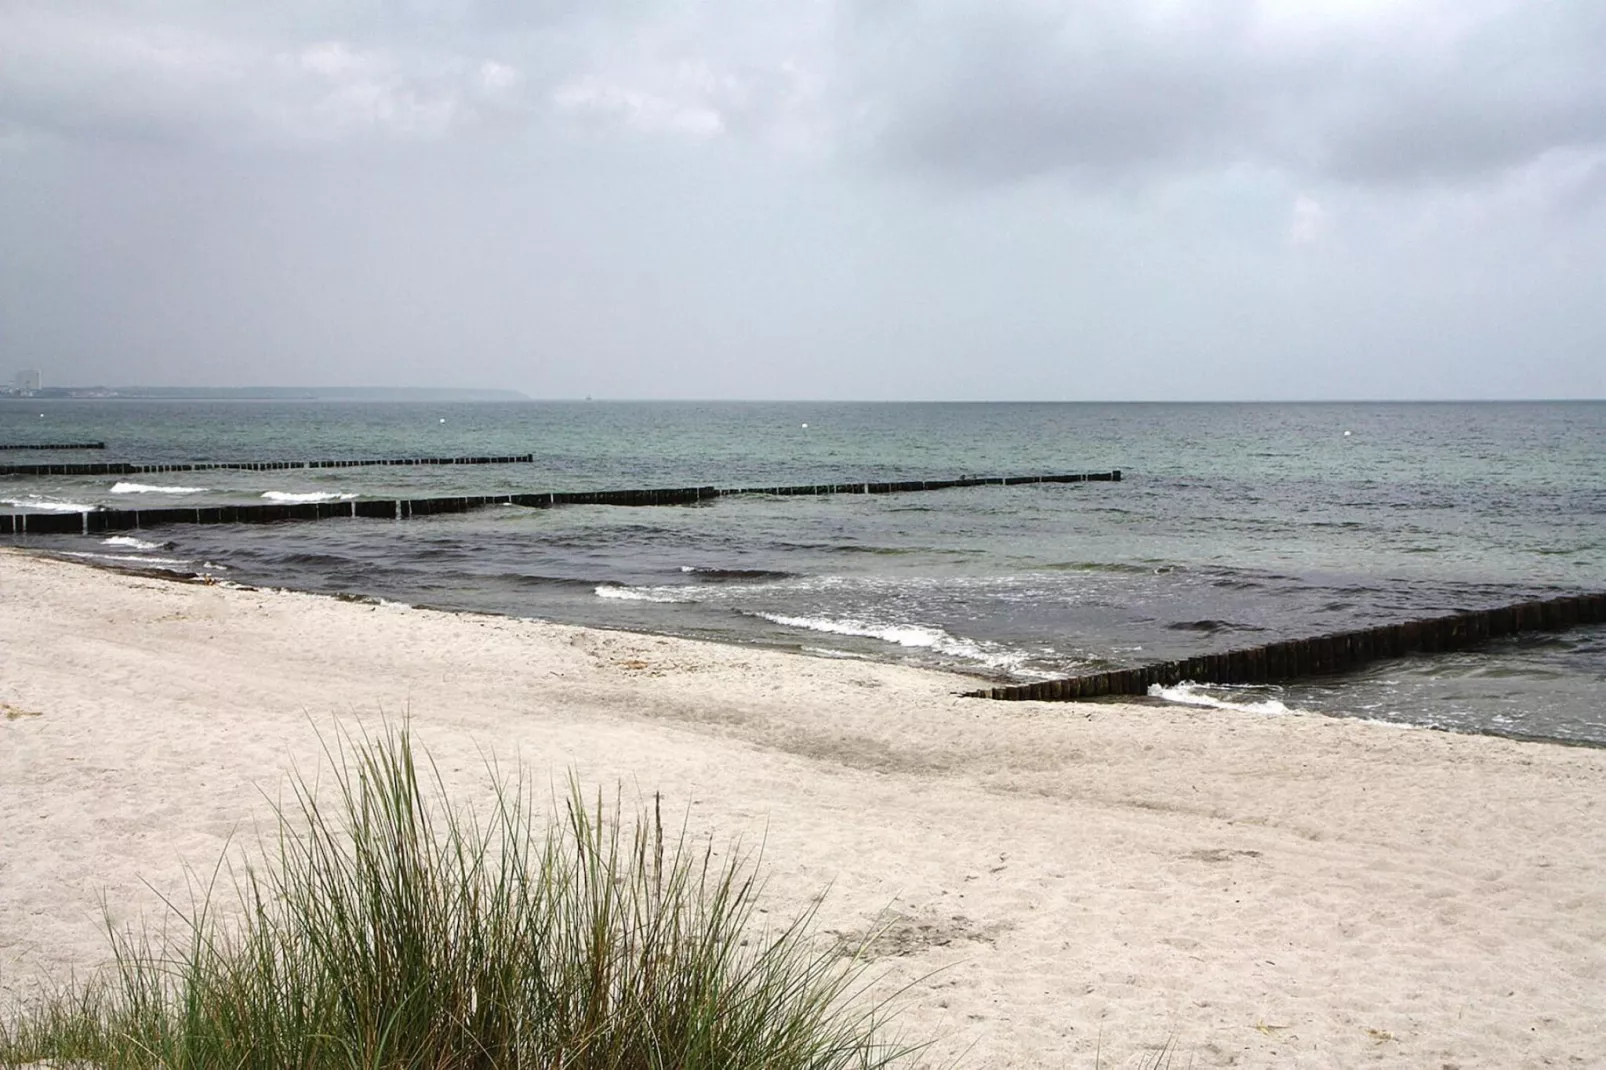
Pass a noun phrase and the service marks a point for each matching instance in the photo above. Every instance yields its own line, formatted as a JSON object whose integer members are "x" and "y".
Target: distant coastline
{"x": 271, "y": 393}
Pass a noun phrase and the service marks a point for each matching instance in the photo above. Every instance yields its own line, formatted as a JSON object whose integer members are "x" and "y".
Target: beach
{"x": 1060, "y": 884}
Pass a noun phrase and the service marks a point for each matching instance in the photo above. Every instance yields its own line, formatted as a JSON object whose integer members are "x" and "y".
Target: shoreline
{"x": 1264, "y": 891}
{"x": 973, "y": 677}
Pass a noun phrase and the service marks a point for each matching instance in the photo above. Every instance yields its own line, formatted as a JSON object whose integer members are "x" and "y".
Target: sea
{"x": 1232, "y": 525}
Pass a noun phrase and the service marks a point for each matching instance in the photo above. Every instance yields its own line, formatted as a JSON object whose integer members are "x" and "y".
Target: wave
{"x": 47, "y": 505}
{"x": 896, "y": 551}
{"x": 1189, "y": 694}
{"x": 530, "y": 579}
{"x": 828, "y": 652}
{"x": 913, "y": 636}
{"x": 138, "y": 559}
{"x": 316, "y": 560}
{"x": 146, "y": 488}
{"x": 1567, "y": 551}
{"x": 131, "y": 543}
{"x": 722, "y": 575}
{"x": 635, "y": 594}
{"x": 1211, "y": 626}
{"x": 888, "y": 551}
{"x": 1109, "y": 566}
{"x": 314, "y": 496}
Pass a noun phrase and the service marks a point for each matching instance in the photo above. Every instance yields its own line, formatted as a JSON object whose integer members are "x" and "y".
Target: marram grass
{"x": 389, "y": 932}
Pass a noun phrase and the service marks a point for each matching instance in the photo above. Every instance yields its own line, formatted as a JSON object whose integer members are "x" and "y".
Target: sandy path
{"x": 1266, "y": 892}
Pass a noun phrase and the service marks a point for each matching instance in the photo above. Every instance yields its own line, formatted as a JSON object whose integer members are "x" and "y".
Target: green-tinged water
{"x": 1234, "y": 524}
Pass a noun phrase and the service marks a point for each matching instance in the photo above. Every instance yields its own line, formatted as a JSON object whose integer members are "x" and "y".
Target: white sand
{"x": 1288, "y": 891}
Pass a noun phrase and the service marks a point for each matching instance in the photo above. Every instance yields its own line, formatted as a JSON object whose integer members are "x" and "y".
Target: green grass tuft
{"x": 391, "y": 932}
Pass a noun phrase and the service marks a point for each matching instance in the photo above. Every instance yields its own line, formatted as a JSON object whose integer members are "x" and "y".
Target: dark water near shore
{"x": 1235, "y": 524}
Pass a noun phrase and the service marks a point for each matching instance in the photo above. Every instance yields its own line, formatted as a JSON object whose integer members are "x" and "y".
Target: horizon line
{"x": 592, "y": 399}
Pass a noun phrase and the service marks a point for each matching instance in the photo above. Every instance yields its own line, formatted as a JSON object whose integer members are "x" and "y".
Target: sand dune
{"x": 1056, "y": 880}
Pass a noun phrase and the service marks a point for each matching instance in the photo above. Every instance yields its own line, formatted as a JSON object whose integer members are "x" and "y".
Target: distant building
{"x": 28, "y": 381}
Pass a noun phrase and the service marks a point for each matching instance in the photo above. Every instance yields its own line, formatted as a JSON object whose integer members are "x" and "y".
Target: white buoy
{"x": 1346, "y": 434}
{"x": 443, "y": 420}
{"x": 805, "y": 427}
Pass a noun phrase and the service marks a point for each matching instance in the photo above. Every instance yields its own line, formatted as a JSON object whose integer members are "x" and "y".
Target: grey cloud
{"x": 1011, "y": 91}
{"x": 306, "y": 71}
{"x": 183, "y": 72}
{"x": 757, "y": 79}
{"x": 1104, "y": 90}
{"x": 1112, "y": 89}
{"x": 1516, "y": 88}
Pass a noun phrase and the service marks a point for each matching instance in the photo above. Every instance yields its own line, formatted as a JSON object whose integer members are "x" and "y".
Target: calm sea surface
{"x": 1235, "y": 524}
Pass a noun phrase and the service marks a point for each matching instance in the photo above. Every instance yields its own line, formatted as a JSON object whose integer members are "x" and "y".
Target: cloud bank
{"x": 829, "y": 196}
{"x": 1356, "y": 92}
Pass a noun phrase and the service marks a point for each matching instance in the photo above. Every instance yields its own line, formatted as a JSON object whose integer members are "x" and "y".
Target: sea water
{"x": 1233, "y": 525}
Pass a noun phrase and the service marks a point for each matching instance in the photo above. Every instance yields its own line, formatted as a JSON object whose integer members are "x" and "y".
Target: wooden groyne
{"x": 97, "y": 521}
{"x": 1322, "y": 655}
{"x": 52, "y": 445}
{"x": 909, "y": 485}
{"x": 103, "y": 520}
{"x": 116, "y": 468}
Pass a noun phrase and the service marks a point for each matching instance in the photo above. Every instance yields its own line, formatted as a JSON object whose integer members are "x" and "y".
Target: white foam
{"x": 165, "y": 562}
{"x": 636, "y": 594}
{"x": 1187, "y": 694}
{"x": 146, "y": 488}
{"x": 287, "y": 496}
{"x": 906, "y": 635}
{"x": 901, "y": 634}
{"x": 827, "y": 652}
{"x": 46, "y": 505}
{"x": 130, "y": 542}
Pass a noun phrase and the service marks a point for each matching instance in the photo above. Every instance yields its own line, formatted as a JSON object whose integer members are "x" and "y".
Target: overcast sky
{"x": 955, "y": 199}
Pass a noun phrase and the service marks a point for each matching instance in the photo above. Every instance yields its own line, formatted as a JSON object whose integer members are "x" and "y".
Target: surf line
{"x": 96, "y": 521}
{"x": 120, "y": 468}
{"x": 1323, "y": 654}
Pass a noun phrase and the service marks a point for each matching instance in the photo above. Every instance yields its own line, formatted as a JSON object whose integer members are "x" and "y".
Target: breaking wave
{"x": 314, "y": 496}
{"x": 131, "y": 543}
{"x": 913, "y": 636}
{"x": 146, "y": 488}
{"x": 635, "y": 594}
{"x": 47, "y": 505}
{"x": 1190, "y": 694}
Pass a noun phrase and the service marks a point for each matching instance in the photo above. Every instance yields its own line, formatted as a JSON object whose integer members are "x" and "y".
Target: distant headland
{"x": 269, "y": 393}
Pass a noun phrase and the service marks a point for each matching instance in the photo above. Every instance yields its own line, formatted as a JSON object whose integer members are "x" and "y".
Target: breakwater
{"x": 118, "y": 468}
{"x": 52, "y": 445}
{"x": 1320, "y": 655}
{"x": 907, "y": 486}
{"x": 96, "y": 521}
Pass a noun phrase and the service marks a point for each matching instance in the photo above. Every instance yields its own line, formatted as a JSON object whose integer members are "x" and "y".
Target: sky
{"x": 821, "y": 199}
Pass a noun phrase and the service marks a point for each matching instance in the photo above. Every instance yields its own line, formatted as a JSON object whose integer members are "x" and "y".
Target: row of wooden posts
{"x": 52, "y": 445}
{"x": 96, "y": 521}
{"x": 1338, "y": 652}
{"x": 1269, "y": 663}
{"x": 118, "y": 468}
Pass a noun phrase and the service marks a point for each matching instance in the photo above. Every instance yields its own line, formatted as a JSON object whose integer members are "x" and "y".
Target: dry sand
{"x": 1291, "y": 891}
